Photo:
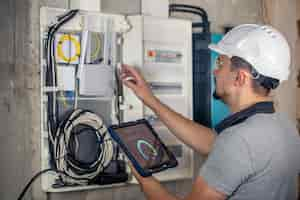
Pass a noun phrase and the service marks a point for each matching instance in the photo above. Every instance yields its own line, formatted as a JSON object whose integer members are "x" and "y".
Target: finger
{"x": 125, "y": 68}
{"x": 134, "y": 171}
{"x": 130, "y": 165}
{"x": 125, "y": 77}
{"x": 133, "y": 71}
{"x": 130, "y": 84}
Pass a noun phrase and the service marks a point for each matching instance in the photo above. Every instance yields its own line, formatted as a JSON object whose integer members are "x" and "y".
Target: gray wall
{"x": 228, "y": 12}
{"x": 20, "y": 98}
{"x": 19, "y": 92}
{"x": 225, "y": 12}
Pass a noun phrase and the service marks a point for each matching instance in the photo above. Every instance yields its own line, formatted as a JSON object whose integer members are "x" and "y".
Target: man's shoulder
{"x": 261, "y": 133}
{"x": 260, "y": 125}
{"x": 256, "y": 132}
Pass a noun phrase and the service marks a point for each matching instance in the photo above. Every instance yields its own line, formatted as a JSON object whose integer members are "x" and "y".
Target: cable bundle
{"x": 79, "y": 126}
{"x": 51, "y": 76}
{"x": 80, "y": 130}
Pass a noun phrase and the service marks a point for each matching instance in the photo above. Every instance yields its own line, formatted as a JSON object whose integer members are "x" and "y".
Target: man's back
{"x": 257, "y": 159}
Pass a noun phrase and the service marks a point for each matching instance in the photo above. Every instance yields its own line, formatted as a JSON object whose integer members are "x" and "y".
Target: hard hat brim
{"x": 217, "y": 49}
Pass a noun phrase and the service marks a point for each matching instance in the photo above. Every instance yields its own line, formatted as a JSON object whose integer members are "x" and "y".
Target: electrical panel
{"x": 162, "y": 49}
{"x": 88, "y": 51}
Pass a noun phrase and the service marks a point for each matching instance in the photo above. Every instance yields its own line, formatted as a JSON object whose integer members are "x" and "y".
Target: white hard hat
{"x": 262, "y": 46}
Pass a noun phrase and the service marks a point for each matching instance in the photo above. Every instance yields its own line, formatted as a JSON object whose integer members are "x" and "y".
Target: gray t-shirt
{"x": 258, "y": 159}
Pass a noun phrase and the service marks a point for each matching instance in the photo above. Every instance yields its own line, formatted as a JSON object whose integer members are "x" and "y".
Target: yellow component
{"x": 98, "y": 45}
{"x": 60, "y": 52}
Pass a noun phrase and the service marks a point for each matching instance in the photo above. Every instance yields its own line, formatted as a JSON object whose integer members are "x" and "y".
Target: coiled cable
{"x": 66, "y": 146}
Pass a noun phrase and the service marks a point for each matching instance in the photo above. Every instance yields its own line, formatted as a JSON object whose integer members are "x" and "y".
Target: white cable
{"x": 63, "y": 135}
{"x": 76, "y": 93}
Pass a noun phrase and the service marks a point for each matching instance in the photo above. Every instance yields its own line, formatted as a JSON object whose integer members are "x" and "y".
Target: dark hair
{"x": 261, "y": 84}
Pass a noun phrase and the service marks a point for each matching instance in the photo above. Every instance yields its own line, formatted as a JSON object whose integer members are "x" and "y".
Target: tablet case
{"x": 156, "y": 152}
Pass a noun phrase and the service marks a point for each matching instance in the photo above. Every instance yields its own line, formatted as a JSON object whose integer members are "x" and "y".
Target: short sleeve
{"x": 228, "y": 165}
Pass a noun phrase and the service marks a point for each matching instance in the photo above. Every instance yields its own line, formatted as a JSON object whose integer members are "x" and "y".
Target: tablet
{"x": 143, "y": 147}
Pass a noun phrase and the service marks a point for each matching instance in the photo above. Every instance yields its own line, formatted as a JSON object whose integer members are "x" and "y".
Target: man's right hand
{"x": 194, "y": 135}
{"x": 133, "y": 79}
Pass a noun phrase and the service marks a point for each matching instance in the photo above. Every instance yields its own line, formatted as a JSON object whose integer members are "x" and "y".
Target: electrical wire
{"x": 51, "y": 82}
{"x": 98, "y": 49}
{"x": 118, "y": 88}
{"x": 76, "y": 170}
{"x": 72, "y": 40}
{"x": 51, "y": 71}
{"x": 31, "y": 181}
{"x": 25, "y": 189}
{"x": 60, "y": 132}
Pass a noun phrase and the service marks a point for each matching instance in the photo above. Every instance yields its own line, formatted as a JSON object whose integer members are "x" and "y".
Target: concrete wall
{"x": 225, "y": 12}
{"x": 297, "y": 52}
{"x": 20, "y": 95}
{"x": 284, "y": 17}
{"x": 124, "y": 7}
{"x": 228, "y": 12}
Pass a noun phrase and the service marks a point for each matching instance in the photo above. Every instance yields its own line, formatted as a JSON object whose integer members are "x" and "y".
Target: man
{"x": 256, "y": 156}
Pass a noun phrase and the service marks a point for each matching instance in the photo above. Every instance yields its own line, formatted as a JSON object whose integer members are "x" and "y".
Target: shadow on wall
{"x": 298, "y": 78}
{"x": 298, "y": 126}
{"x": 299, "y": 187}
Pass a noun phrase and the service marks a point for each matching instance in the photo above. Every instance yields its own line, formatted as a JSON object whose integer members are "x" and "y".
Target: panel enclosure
{"x": 160, "y": 47}
{"x": 96, "y": 80}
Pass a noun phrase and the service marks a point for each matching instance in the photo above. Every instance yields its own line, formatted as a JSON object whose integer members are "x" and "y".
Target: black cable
{"x": 31, "y": 181}
{"x": 197, "y": 10}
{"x": 63, "y": 159}
{"x": 51, "y": 81}
{"x": 201, "y": 10}
{"x": 192, "y": 10}
{"x": 20, "y": 197}
{"x": 118, "y": 93}
{"x": 73, "y": 124}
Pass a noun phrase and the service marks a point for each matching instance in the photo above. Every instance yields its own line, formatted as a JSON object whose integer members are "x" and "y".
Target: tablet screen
{"x": 144, "y": 146}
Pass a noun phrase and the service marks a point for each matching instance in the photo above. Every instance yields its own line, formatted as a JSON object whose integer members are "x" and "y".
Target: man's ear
{"x": 241, "y": 78}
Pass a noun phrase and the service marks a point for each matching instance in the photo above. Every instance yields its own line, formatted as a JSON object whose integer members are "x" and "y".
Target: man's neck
{"x": 241, "y": 104}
